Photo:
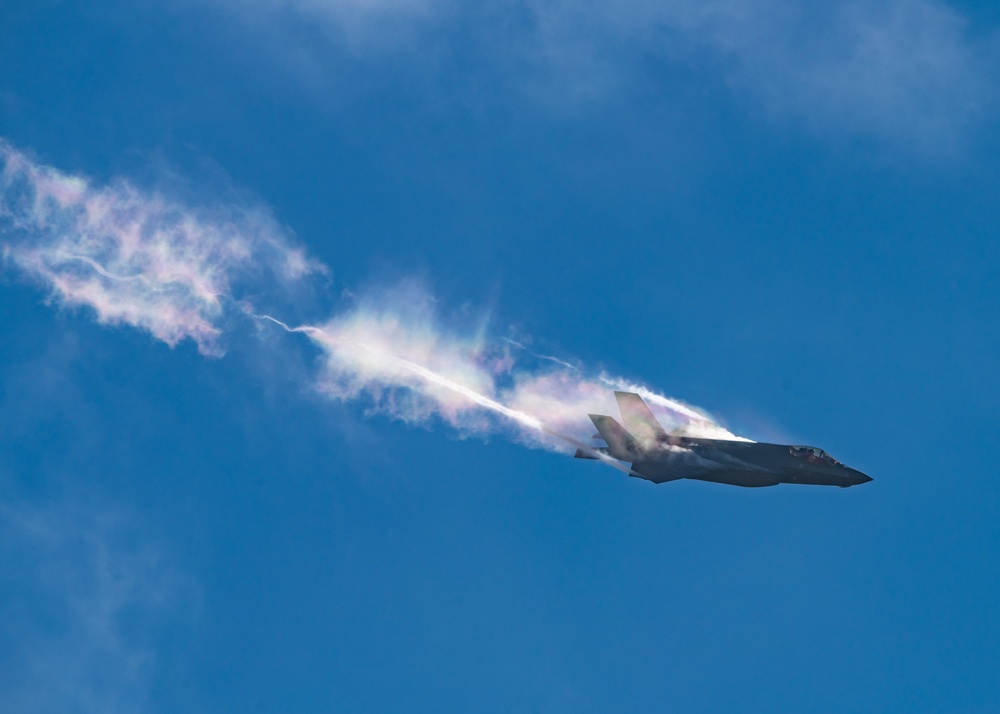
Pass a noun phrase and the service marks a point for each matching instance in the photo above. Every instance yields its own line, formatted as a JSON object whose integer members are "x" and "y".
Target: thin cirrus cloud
{"x": 93, "y": 594}
{"x": 908, "y": 72}
{"x": 137, "y": 259}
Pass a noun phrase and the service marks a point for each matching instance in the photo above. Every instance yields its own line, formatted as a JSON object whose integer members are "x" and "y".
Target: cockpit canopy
{"x": 813, "y": 455}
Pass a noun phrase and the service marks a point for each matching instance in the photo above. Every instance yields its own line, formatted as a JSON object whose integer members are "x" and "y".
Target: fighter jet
{"x": 658, "y": 456}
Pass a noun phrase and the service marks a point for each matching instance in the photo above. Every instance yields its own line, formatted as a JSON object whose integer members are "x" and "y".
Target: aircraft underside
{"x": 749, "y": 479}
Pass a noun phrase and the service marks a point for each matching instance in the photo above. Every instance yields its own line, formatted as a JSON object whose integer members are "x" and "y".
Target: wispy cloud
{"x": 85, "y": 596}
{"x": 360, "y": 27}
{"x": 908, "y": 72}
{"x": 135, "y": 257}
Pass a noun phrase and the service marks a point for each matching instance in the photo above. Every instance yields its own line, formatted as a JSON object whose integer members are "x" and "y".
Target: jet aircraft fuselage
{"x": 659, "y": 457}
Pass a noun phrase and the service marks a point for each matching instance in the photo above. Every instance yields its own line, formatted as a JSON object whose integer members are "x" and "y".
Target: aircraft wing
{"x": 661, "y": 472}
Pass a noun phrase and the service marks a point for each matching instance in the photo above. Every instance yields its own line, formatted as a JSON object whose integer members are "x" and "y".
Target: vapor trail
{"x": 482, "y": 400}
{"x": 137, "y": 258}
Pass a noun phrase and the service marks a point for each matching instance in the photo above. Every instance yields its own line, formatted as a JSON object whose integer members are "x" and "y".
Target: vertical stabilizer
{"x": 638, "y": 419}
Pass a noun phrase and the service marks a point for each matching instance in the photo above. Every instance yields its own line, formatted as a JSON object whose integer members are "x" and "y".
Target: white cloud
{"x": 904, "y": 71}
{"x": 360, "y": 26}
{"x": 85, "y": 597}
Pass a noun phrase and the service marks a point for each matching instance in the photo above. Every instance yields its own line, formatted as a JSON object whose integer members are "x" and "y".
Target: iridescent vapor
{"x": 395, "y": 352}
{"x": 136, "y": 258}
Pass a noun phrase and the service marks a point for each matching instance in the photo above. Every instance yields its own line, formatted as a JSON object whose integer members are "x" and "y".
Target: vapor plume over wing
{"x": 136, "y": 258}
{"x": 396, "y": 351}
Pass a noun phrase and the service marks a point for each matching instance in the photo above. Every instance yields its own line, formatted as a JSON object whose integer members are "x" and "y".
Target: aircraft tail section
{"x": 639, "y": 419}
{"x": 621, "y": 444}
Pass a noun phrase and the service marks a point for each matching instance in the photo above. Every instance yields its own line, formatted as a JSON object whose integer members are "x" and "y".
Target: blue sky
{"x": 783, "y": 215}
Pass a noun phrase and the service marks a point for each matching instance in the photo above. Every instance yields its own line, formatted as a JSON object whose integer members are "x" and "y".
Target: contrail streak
{"x": 320, "y": 336}
{"x": 138, "y": 258}
{"x": 482, "y": 400}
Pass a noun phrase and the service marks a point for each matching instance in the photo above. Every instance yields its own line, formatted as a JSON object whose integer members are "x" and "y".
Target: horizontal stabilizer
{"x": 621, "y": 444}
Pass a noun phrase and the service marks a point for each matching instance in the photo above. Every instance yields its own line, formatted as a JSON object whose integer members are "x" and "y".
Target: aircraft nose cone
{"x": 860, "y": 478}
